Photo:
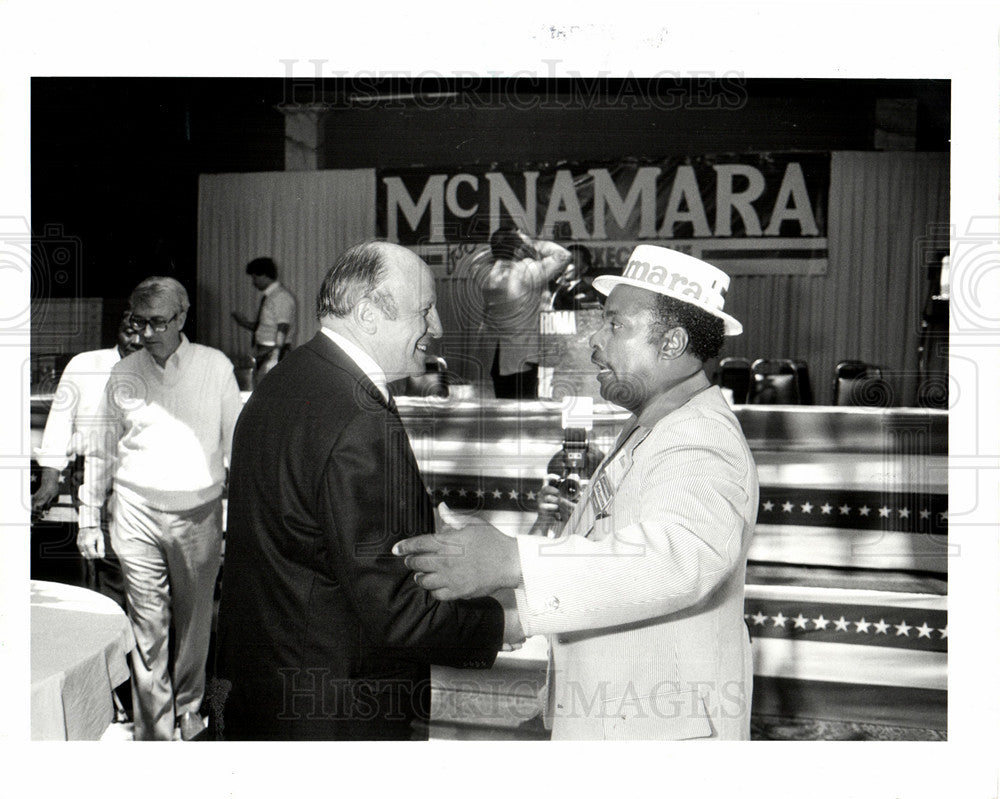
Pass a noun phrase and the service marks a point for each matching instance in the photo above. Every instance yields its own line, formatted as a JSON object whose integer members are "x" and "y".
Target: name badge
{"x": 601, "y": 494}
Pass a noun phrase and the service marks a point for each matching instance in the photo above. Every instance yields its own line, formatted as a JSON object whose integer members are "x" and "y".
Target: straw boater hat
{"x": 676, "y": 275}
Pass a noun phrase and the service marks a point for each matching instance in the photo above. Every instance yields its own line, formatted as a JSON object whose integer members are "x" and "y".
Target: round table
{"x": 79, "y": 642}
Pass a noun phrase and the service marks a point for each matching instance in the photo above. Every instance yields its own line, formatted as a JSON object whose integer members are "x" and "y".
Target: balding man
{"x": 322, "y": 632}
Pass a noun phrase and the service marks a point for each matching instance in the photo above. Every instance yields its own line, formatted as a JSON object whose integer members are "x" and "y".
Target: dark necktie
{"x": 260, "y": 312}
{"x": 256, "y": 324}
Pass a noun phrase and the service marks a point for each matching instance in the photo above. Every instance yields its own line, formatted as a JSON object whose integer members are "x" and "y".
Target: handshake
{"x": 467, "y": 558}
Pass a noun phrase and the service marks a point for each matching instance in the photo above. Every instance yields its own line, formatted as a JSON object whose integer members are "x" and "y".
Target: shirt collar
{"x": 671, "y": 400}
{"x": 363, "y": 360}
{"x": 271, "y": 288}
{"x": 177, "y": 357}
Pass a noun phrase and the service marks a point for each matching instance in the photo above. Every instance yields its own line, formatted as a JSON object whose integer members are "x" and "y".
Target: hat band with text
{"x": 677, "y": 283}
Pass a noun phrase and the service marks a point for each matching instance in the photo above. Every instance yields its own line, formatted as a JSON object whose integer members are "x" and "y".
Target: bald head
{"x": 382, "y": 297}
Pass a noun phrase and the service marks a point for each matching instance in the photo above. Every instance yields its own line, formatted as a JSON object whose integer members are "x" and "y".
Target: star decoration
{"x": 779, "y": 620}
{"x": 821, "y": 623}
{"x": 768, "y": 506}
{"x": 925, "y": 514}
{"x": 497, "y": 493}
{"x": 800, "y": 622}
{"x": 881, "y": 627}
{"x": 883, "y": 512}
{"x": 826, "y": 508}
{"x": 864, "y": 510}
{"x": 904, "y": 513}
{"x": 862, "y": 625}
{"x": 923, "y": 631}
{"x": 943, "y": 517}
{"x": 759, "y": 618}
{"x": 531, "y": 495}
{"x": 480, "y": 493}
{"x": 944, "y": 632}
{"x": 903, "y": 629}
{"x": 842, "y": 624}
{"x": 787, "y": 507}
{"x": 845, "y": 509}
{"x": 444, "y": 491}
{"x": 512, "y": 494}
{"x": 807, "y": 508}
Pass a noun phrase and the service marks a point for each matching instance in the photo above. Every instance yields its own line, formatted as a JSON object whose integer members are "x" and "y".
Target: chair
{"x": 734, "y": 374}
{"x": 803, "y": 382}
{"x": 857, "y": 383}
{"x": 774, "y": 381}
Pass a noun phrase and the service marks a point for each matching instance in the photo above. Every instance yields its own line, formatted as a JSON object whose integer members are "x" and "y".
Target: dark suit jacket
{"x": 577, "y": 297}
{"x": 322, "y": 632}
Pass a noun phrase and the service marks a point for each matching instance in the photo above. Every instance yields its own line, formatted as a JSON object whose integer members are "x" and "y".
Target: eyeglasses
{"x": 139, "y": 324}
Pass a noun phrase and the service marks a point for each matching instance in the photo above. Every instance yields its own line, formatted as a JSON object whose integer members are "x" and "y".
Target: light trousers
{"x": 170, "y": 561}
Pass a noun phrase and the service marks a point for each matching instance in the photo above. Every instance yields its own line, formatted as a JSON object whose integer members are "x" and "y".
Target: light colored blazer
{"x": 643, "y": 594}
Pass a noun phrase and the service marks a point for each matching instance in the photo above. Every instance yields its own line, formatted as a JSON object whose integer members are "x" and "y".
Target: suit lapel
{"x": 596, "y": 503}
{"x": 419, "y": 503}
{"x": 329, "y": 351}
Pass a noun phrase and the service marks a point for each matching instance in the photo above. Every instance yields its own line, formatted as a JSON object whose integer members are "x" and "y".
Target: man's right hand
{"x": 47, "y": 491}
{"x": 90, "y": 542}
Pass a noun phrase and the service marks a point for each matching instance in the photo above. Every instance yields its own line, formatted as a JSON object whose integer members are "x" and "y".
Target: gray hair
{"x": 154, "y": 288}
{"x": 358, "y": 273}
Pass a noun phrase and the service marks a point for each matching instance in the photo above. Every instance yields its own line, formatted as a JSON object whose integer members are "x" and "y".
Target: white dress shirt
{"x": 74, "y": 410}
{"x": 363, "y": 360}
{"x": 278, "y": 308}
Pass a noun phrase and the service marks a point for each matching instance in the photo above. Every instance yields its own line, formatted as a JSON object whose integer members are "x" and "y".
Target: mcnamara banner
{"x": 761, "y": 213}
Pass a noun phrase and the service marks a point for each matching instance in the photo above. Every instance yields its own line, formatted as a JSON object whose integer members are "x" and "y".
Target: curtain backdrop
{"x": 885, "y": 209}
{"x": 303, "y": 220}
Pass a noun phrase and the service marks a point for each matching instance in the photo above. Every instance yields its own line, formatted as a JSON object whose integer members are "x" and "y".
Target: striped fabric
{"x": 643, "y": 594}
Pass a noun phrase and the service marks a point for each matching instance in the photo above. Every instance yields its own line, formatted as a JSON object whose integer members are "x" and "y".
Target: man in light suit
{"x": 322, "y": 632}
{"x": 642, "y": 594}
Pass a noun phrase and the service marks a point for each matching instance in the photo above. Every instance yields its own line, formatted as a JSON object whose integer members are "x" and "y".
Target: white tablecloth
{"x": 79, "y": 642}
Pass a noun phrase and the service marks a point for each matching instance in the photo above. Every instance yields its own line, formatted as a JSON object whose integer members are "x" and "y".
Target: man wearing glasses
{"x": 166, "y": 426}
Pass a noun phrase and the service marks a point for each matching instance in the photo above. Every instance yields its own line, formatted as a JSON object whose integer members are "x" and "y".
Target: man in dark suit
{"x": 322, "y": 632}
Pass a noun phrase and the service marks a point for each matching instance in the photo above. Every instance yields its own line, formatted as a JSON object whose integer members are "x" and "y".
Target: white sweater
{"x": 165, "y": 432}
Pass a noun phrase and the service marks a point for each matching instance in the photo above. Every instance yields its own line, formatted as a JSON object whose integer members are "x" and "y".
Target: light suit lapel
{"x": 596, "y": 502}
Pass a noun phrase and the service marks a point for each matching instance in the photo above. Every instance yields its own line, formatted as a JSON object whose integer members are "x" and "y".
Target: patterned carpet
{"x": 770, "y": 728}
{"x": 761, "y": 729}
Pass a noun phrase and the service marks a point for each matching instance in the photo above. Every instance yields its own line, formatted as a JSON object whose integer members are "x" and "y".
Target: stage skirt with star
{"x": 846, "y": 596}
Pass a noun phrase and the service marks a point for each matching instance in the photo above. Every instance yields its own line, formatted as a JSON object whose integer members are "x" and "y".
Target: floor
{"x": 762, "y": 728}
